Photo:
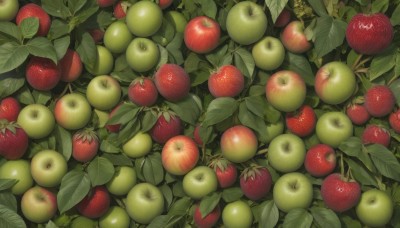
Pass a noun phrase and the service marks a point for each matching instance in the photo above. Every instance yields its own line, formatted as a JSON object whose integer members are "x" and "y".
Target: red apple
{"x": 196, "y": 135}
{"x": 294, "y": 39}
{"x": 283, "y": 18}
{"x": 207, "y": 221}
{"x": 33, "y": 10}
{"x": 120, "y": 9}
{"x": 358, "y": 113}
{"x": 42, "y": 73}
{"x": 172, "y": 82}
{"x": 167, "y": 126}
{"x": 379, "y": 100}
{"x": 165, "y": 3}
{"x": 320, "y": 160}
{"x": 71, "y": 66}
{"x": 13, "y": 140}
{"x": 255, "y": 182}
{"x": 394, "y": 121}
{"x": 38, "y": 204}
{"x": 238, "y": 143}
{"x": 113, "y": 127}
{"x": 143, "y": 92}
{"x": 374, "y": 133}
{"x": 302, "y": 121}
{"x": 226, "y": 172}
{"x": 97, "y": 35}
{"x": 227, "y": 81}
{"x": 85, "y": 144}
{"x": 9, "y": 109}
{"x": 95, "y": 204}
{"x": 105, "y": 3}
{"x": 202, "y": 34}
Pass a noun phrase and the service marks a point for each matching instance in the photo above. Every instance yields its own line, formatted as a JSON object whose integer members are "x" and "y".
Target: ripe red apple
{"x": 96, "y": 203}
{"x": 255, "y": 182}
{"x": 38, "y": 204}
{"x": 196, "y": 135}
{"x": 358, "y": 113}
{"x": 13, "y": 140}
{"x": 202, "y": 34}
{"x": 369, "y": 34}
{"x": 340, "y": 193}
{"x": 294, "y": 39}
{"x": 238, "y": 143}
{"x": 207, "y": 221}
{"x": 227, "y": 81}
{"x": 33, "y": 10}
{"x": 97, "y": 35}
{"x": 172, "y": 82}
{"x": 283, "y": 18}
{"x": 71, "y": 66}
{"x": 320, "y": 160}
{"x": 120, "y": 9}
{"x": 379, "y": 100}
{"x": 42, "y": 73}
{"x": 113, "y": 127}
{"x": 179, "y": 155}
{"x": 394, "y": 121}
{"x": 226, "y": 172}
{"x": 165, "y": 3}
{"x": 374, "y": 133}
{"x": 105, "y": 3}
{"x": 302, "y": 121}
{"x": 167, "y": 126}
{"x": 143, "y": 92}
{"x": 9, "y": 109}
{"x": 85, "y": 144}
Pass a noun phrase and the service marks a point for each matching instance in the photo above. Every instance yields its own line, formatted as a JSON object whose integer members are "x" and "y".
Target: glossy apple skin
{"x": 227, "y": 81}
{"x": 340, "y": 194}
{"x": 379, "y": 100}
{"x": 302, "y": 121}
{"x": 358, "y": 114}
{"x": 103, "y": 92}
{"x": 33, "y": 10}
{"x": 71, "y": 66}
{"x": 117, "y": 37}
{"x": 166, "y": 128}
{"x": 375, "y": 208}
{"x": 105, "y": 3}
{"x": 332, "y": 76}
{"x": 268, "y": 53}
{"x": 42, "y": 73}
{"x": 208, "y": 221}
{"x": 294, "y": 39}
{"x": 238, "y": 144}
{"x": 257, "y": 186}
{"x": 72, "y": 111}
{"x": 124, "y": 179}
{"x": 104, "y": 62}
{"x": 13, "y": 145}
{"x": 320, "y": 160}
{"x": 37, "y": 120}
{"x": 138, "y": 146}
{"x": 9, "y": 109}
{"x": 143, "y": 92}
{"x": 84, "y": 145}
{"x": 144, "y": 11}
{"x": 199, "y": 182}
{"x": 237, "y": 214}
{"x": 48, "y": 167}
{"x": 38, "y": 204}
{"x": 20, "y": 171}
{"x": 180, "y": 155}
{"x": 283, "y": 18}
{"x": 8, "y": 10}
{"x": 394, "y": 121}
{"x": 333, "y": 128}
{"x": 227, "y": 176}
{"x": 96, "y": 203}
{"x": 177, "y": 19}
{"x": 172, "y": 82}
{"x": 286, "y": 90}
{"x": 202, "y": 34}
{"x": 142, "y": 54}
{"x": 376, "y": 134}
{"x": 116, "y": 217}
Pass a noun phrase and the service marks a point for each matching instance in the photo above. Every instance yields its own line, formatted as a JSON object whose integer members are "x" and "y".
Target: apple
{"x": 177, "y": 19}
{"x": 376, "y": 134}
{"x": 48, "y": 167}
{"x": 165, "y": 3}
{"x": 113, "y": 127}
{"x": 117, "y": 37}
{"x": 302, "y": 121}
{"x": 14, "y": 141}
{"x": 331, "y": 76}
{"x": 238, "y": 144}
{"x": 103, "y": 92}
{"x": 120, "y": 8}
{"x": 358, "y": 113}
{"x": 237, "y": 214}
{"x": 167, "y": 126}
{"x": 144, "y": 18}
{"x": 333, "y": 127}
{"x": 38, "y": 204}
{"x": 97, "y": 34}
{"x": 172, "y": 82}
{"x": 96, "y": 203}
{"x": 283, "y": 19}
{"x": 268, "y": 53}
{"x": 8, "y": 9}
{"x": 394, "y": 121}
{"x": 272, "y": 130}
{"x": 294, "y": 39}
{"x": 206, "y": 221}
{"x": 72, "y": 111}
{"x": 42, "y": 73}
{"x": 71, "y": 66}
{"x": 123, "y": 180}
{"x": 9, "y": 108}
{"x": 116, "y": 217}
{"x": 320, "y": 160}
{"x": 255, "y": 182}
{"x": 375, "y": 208}
{"x": 144, "y": 202}
{"x": 103, "y": 64}
{"x": 246, "y": 22}
{"x": 143, "y": 92}
{"x": 179, "y": 155}
{"x": 226, "y": 81}
{"x": 286, "y": 153}
{"x": 202, "y": 34}
{"x": 34, "y": 10}
{"x": 82, "y": 221}
{"x": 226, "y": 172}
{"x": 37, "y": 120}
{"x": 292, "y": 190}
{"x": 105, "y": 3}
{"x": 85, "y": 144}
{"x": 200, "y": 182}
{"x": 18, "y": 170}
{"x": 379, "y": 100}
{"x": 138, "y": 146}
{"x": 286, "y": 90}
{"x": 142, "y": 54}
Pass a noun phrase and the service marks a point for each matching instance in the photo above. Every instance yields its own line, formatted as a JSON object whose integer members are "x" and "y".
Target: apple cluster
{"x": 170, "y": 113}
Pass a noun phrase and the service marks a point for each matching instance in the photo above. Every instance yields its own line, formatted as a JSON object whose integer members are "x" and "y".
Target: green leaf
{"x": 61, "y": 45}
{"x": 10, "y": 85}
{"x": 219, "y": 109}
{"x": 29, "y": 27}
{"x": 208, "y": 203}
{"x": 167, "y": 193}
{"x": 9, "y": 200}
{"x": 187, "y": 109}
{"x": 174, "y": 49}
{"x": 9, "y": 32}
{"x": 395, "y": 87}
{"x": 152, "y": 169}
{"x": 217, "y": 56}
{"x": 109, "y": 146}
{"x": 395, "y": 18}
{"x": 349, "y": 222}
{"x": 75, "y": 5}
{"x": 41, "y": 97}
{"x": 361, "y": 174}
{"x": 10, "y": 218}
{"x": 351, "y": 146}
{"x": 125, "y": 113}
{"x": 7, "y": 183}
{"x": 329, "y": 34}
{"x": 232, "y": 194}
{"x": 251, "y": 120}
{"x": 299, "y": 218}
{"x": 42, "y": 47}
{"x": 75, "y": 185}
{"x": 148, "y": 120}
{"x": 51, "y": 224}
{"x": 385, "y": 161}
{"x": 87, "y": 50}
{"x": 380, "y": 6}
{"x": 12, "y": 55}
{"x": 58, "y": 29}
{"x": 25, "y": 95}
{"x": 325, "y": 217}
{"x": 382, "y": 63}
{"x": 56, "y": 8}
{"x": 244, "y": 62}
{"x": 64, "y": 141}
{"x": 118, "y": 159}
{"x": 269, "y": 215}
{"x": 318, "y": 6}
{"x": 180, "y": 206}
{"x": 209, "y": 8}
{"x": 301, "y": 65}
{"x": 256, "y": 105}
{"x": 275, "y": 7}
{"x": 100, "y": 171}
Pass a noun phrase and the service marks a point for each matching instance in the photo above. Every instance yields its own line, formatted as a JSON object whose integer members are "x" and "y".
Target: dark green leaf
{"x": 10, "y": 85}
{"x": 275, "y": 7}
{"x": 75, "y": 185}
{"x": 352, "y": 146}
{"x": 395, "y": 87}
{"x": 318, "y": 6}
{"x": 187, "y": 109}
{"x": 217, "y": 57}
{"x": 42, "y": 47}
{"x": 75, "y": 5}
{"x": 51, "y": 224}
{"x": 148, "y": 120}
{"x": 256, "y": 105}
{"x": 174, "y": 48}
{"x": 87, "y": 50}
{"x": 251, "y": 120}
{"x": 348, "y": 222}
{"x": 209, "y": 8}
{"x": 118, "y": 159}
{"x": 167, "y": 193}
{"x": 385, "y": 161}
{"x": 325, "y": 217}
{"x": 61, "y": 45}
{"x": 232, "y": 194}
{"x": 7, "y": 184}
{"x": 301, "y": 65}
{"x": 25, "y": 96}
{"x": 153, "y": 171}
{"x": 56, "y": 8}
{"x": 329, "y": 34}
{"x": 125, "y": 113}
{"x": 159, "y": 221}
{"x": 395, "y": 18}
{"x": 380, "y": 6}
{"x": 269, "y": 215}
{"x": 41, "y": 97}
{"x": 29, "y": 27}
{"x": 12, "y": 55}
{"x": 219, "y": 109}
{"x": 299, "y": 218}
{"x": 181, "y": 206}
{"x": 382, "y": 63}
{"x": 100, "y": 171}
{"x": 58, "y": 29}
{"x": 192, "y": 62}
{"x": 64, "y": 142}
{"x": 208, "y": 203}
{"x": 109, "y": 146}
{"x": 361, "y": 174}
{"x": 9, "y": 200}
{"x": 244, "y": 62}
{"x": 10, "y": 218}
{"x": 9, "y": 32}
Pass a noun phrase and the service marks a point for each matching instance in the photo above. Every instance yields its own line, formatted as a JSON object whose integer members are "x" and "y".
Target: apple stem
{"x": 263, "y": 151}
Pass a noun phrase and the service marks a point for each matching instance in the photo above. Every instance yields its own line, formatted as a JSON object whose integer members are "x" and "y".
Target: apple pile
{"x": 169, "y": 113}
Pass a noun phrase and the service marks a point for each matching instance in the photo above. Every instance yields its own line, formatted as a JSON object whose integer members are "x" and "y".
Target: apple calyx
{"x": 86, "y": 135}
{"x": 219, "y": 163}
{"x": 252, "y": 171}
{"x": 10, "y": 126}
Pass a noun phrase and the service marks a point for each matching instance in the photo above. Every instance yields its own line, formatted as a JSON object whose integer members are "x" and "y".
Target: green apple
{"x": 272, "y": 130}
{"x": 246, "y": 22}
{"x": 333, "y": 127}
{"x": 286, "y": 153}
{"x": 104, "y": 62}
{"x": 142, "y": 54}
{"x": 82, "y": 221}
{"x": 375, "y": 208}
{"x": 123, "y": 180}
{"x": 38, "y": 204}
{"x": 48, "y": 167}
{"x": 72, "y": 111}
{"x": 200, "y": 182}
{"x": 116, "y": 217}
{"x": 144, "y": 202}
{"x": 268, "y": 53}
{"x": 37, "y": 120}
{"x": 103, "y": 92}
{"x": 237, "y": 214}
{"x": 176, "y": 19}
{"x": 18, "y": 170}
{"x": 144, "y": 18}
{"x": 138, "y": 146}
{"x": 117, "y": 37}
{"x": 8, "y": 9}
{"x": 292, "y": 190}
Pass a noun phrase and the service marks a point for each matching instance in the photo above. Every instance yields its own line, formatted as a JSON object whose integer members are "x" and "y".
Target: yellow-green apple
{"x": 143, "y": 92}
{"x": 330, "y": 77}
{"x": 48, "y": 167}
{"x": 292, "y": 190}
{"x": 238, "y": 143}
{"x": 72, "y": 111}
{"x": 123, "y": 180}
{"x": 294, "y": 39}
{"x": 42, "y": 73}
{"x": 200, "y": 182}
{"x": 226, "y": 81}
{"x": 18, "y": 170}
{"x": 138, "y": 146}
{"x": 144, "y": 11}
{"x": 39, "y": 204}
{"x": 320, "y": 160}
{"x": 286, "y": 90}
{"x": 375, "y": 208}
{"x": 82, "y": 221}
{"x": 172, "y": 82}
{"x": 144, "y": 202}
{"x": 179, "y": 155}
{"x": 202, "y": 34}
{"x": 37, "y": 120}
{"x": 206, "y": 221}
{"x": 34, "y": 10}
{"x": 104, "y": 62}
{"x": 14, "y": 141}
{"x": 333, "y": 127}
{"x": 246, "y": 22}
{"x": 103, "y": 92}
{"x": 116, "y": 217}
{"x": 71, "y": 66}
{"x": 8, "y": 9}
{"x": 271, "y": 131}
{"x": 117, "y": 37}
{"x": 9, "y": 108}
{"x": 85, "y": 145}
{"x": 237, "y": 214}
{"x": 268, "y": 53}
{"x": 142, "y": 54}
{"x": 96, "y": 203}
{"x": 286, "y": 153}
{"x": 177, "y": 19}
